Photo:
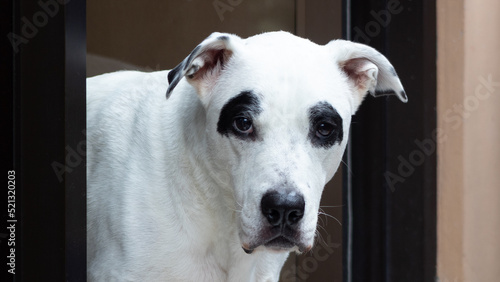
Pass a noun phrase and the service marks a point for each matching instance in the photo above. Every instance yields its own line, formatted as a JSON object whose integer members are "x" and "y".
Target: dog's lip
{"x": 247, "y": 248}
{"x": 284, "y": 243}
{"x": 279, "y": 242}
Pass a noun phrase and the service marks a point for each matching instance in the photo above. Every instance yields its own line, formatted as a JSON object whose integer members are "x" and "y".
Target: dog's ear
{"x": 368, "y": 71}
{"x": 203, "y": 66}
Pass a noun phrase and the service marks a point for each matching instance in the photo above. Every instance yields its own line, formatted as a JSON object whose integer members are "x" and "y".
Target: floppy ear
{"x": 368, "y": 71}
{"x": 203, "y": 66}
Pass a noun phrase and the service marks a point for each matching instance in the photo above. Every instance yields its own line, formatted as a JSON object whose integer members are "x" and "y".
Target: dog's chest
{"x": 207, "y": 260}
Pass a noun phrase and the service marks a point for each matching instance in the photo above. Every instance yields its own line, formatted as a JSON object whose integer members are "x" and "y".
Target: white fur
{"x": 171, "y": 199}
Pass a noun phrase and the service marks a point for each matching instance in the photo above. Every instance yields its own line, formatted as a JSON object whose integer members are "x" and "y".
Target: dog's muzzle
{"x": 283, "y": 211}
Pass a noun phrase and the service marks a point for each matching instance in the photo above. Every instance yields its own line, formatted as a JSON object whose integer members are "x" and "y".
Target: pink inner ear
{"x": 356, "y": 71}
{"x": 214, "y": 60}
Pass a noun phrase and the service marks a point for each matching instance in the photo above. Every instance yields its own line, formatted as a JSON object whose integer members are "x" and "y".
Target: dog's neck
{"x": 192, "y": 144}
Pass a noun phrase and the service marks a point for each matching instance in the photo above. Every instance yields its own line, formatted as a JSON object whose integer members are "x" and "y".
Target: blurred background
{"x": 420, "y": 195}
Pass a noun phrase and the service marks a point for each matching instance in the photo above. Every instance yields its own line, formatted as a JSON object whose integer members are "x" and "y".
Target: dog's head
{"x": 278, "y": 110}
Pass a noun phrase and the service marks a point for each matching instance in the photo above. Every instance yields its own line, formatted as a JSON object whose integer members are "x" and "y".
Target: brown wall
{"x": 159, "y": 34}
{"x": 469, "y": 156}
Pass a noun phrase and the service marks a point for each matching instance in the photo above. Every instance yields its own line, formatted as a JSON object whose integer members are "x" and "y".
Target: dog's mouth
{"x": 278, "y": 243}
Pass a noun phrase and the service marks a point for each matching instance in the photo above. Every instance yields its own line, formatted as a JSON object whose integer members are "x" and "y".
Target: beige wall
{"x": 469, "y": 157}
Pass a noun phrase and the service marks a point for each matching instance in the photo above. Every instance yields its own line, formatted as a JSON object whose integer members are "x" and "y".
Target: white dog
{"x": 222, "y": 178}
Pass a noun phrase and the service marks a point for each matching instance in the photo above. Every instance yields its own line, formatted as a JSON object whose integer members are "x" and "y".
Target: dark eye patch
{"x": 325, "y": 125}
{"x": 244, "y": 105}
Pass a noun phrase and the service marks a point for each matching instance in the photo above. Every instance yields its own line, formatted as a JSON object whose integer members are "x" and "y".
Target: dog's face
{"x": 278, "y": 110}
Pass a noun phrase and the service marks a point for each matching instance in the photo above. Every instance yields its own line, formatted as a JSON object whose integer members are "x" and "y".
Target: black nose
{"x": 282, "y": 208}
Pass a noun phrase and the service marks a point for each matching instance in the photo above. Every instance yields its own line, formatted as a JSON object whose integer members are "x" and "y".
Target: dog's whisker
{"x": 348, "y": 168}
{"x": 233, "y": 209}
{"x": 319, "y": 236}
{"x": 238, "y": 203}
{"x": 320, "y": 212}
{"x": 331, "y": 216}
{"x": 339, "y": 206}
{"x": 321, "y": 219}
{"x": 319, "y": 226}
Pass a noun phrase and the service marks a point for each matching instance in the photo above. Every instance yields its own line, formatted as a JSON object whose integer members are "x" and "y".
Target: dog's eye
{"x": 243, "y": 125}
{"x": 324, "y": 129}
